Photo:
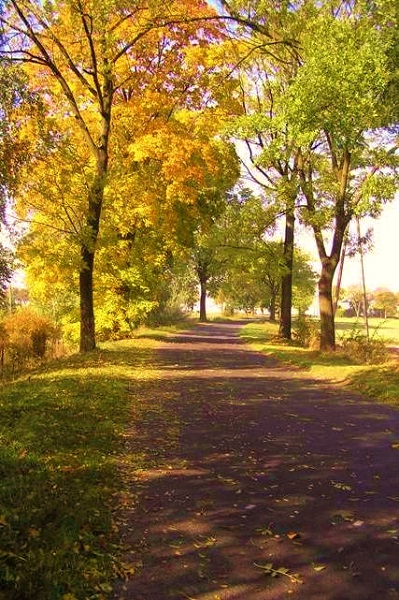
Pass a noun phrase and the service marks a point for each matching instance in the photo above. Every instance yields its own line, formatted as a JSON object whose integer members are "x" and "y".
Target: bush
{"x": 363, "y": 350}
{"x": 167, "y": 315}
{"x": 24, "y": 336}
{"x": 306, "y": 332}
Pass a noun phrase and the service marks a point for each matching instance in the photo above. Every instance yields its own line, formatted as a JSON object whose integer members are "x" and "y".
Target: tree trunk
{"x": 272, "y": 309}
{"x": 326, "y": 305}
{"x": 87, "y": 328}
{"x": 286, "y": 280}
{"x": 87, "y": 252}
{"x": 203, "y": 282}
{"x": 340, "y": 273}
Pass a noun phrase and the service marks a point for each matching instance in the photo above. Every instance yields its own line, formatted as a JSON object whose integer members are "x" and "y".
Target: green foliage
{"x": 385, "y": 301}
{"x": 6, "y": 260}
{"x": 304, "y": 281}
{"x": 14, "y": 152}
{"x": 344, "y": 73}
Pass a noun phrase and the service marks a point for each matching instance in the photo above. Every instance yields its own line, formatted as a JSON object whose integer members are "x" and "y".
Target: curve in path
{"x": 264, "y": 484}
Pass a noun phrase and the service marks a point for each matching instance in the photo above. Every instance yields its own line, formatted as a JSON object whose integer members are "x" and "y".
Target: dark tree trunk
{"x": 87, "y": 327}
{"x": 286, "y": 280}
{"x": 272, "y": 309}
{"x": 203, "y": 282}
{"x": 326, "y": 305}
{"x": 87, "y": 252}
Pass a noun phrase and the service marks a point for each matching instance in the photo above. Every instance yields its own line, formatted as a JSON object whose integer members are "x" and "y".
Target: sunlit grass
{"x": 60, "y": 441}
{"x": 380, "y": 382}
{"x": 387, "y": 329}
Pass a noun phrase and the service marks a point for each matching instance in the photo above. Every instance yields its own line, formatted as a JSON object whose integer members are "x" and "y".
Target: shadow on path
{"x": 255, "y": 468}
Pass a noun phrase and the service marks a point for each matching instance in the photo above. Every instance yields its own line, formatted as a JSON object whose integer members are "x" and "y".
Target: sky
{"x": 381, "y": 264}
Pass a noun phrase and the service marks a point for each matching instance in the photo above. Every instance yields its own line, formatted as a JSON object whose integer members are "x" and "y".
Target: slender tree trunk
{"x": 340, "y": 273}
{"x": 87, "y": 252}
{"x": 87, "y": 328}
{"x": 272, "y": 309}
{"x": 286, "y": 280}
{"x": 203, "y": 282}
{"x": 326, "y": 305}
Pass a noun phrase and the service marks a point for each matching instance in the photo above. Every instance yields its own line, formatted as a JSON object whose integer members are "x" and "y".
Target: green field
{"x": 385, "y": 328}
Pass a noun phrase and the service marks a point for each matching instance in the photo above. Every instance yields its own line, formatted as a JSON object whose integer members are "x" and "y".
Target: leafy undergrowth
{"x": 60, "y": 437}
{"x": 380, "y": 382}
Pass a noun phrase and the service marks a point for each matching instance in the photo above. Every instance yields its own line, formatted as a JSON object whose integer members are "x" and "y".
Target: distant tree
{"x": 355, "y": 296}
{"x": 253, "y": 278}
{"x": 19, "y": 296}
{"x": 384, "y": 301}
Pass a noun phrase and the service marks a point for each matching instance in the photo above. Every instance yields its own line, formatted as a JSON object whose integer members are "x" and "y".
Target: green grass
{"x": 380, "y": 382}
{"x": 60, "y": 439}
{"x": 387, "y": 329}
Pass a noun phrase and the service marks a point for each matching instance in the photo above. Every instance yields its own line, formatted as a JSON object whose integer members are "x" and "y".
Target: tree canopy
{"x": 121, "y": 124}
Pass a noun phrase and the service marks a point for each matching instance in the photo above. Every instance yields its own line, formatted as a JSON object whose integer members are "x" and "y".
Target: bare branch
{"x": 89, "y": 36}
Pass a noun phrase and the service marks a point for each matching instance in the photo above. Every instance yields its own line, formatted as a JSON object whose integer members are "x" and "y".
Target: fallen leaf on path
{"x": 341, "y": 486}
{"x": 319, "y": 567}
{"x": 269, "y": 569}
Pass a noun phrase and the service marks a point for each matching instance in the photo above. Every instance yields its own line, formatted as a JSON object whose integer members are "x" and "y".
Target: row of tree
{"x": 127, "y": 124}
{"x": 380, "y": 302}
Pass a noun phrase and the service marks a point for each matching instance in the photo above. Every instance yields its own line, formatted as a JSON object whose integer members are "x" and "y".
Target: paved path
{"x": 256, "y": 469}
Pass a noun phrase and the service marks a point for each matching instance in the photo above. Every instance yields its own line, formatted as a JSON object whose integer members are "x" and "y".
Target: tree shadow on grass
{"x": 60, "y": 433}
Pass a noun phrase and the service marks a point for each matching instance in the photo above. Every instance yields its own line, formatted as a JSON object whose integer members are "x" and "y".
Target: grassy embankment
{"x": 61, "y": 439}
{"x": 381, "y": 381}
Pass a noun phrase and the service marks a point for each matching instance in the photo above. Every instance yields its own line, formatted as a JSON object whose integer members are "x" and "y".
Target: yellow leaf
{"x": 33, "y": 532}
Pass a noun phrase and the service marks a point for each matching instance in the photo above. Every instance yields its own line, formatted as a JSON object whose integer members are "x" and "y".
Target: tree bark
{"x": 326, "y": 306}
{"x": 272, "y": 309}
{"x": 87, "y": 328}
{"x": 203, "y": 282}
{"x": 88, "y": 249}
{"x": 286, "y": 280}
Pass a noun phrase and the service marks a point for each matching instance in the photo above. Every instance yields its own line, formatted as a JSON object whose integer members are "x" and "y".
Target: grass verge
{"x": 380, "y": 382}
{"x": 61, "y": 433}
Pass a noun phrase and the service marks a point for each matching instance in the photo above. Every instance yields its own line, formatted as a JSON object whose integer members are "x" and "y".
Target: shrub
{"x": 363, "y": 350}
{"x": 25, "y": 336}
{"x": 306, "y": 332}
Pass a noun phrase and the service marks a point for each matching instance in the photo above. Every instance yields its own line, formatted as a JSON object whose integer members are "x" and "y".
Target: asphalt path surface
{"x": 264, "y": 484}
